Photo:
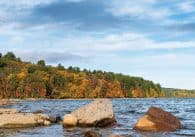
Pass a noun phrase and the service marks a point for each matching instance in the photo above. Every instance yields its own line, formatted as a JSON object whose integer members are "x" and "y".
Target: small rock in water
{"x": 58, "y": 118}
{"x": 38, "y": 111}
{"x": 69, "y": 120}
{"x": 156, "y": 119}
{"x": 47, "y": 123}
{"x": 92, "y": 133}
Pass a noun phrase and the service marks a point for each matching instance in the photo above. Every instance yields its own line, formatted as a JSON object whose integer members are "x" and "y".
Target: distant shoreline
{"x": 37, "y": 99}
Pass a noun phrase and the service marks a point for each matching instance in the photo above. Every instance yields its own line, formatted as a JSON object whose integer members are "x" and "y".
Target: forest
{"x": 20, "y": 79}
{"x": 179, "y": 93}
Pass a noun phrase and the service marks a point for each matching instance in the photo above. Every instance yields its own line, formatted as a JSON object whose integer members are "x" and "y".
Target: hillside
{"x": 179, "y": 93}
{"x": 19, "y": 79}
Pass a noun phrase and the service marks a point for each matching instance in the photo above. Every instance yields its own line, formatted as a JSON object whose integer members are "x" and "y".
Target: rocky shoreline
{"x": 98, "y": 113}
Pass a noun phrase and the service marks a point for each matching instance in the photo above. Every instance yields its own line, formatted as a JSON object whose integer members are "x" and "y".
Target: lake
{"x": 127, "y": 112}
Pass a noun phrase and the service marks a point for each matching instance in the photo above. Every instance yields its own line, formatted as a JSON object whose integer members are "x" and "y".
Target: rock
{"x": 69, "y": 120}
{"x": 114, "y": 135}
{"x": 4, "y": 102}
{"x": 22, "y": 120}
{"x": 32, "y": 99}
{"x": 38, "y": 111}
{"x": 8, "y": 111}
{"x": 156, "y": 119}
{"x": 91, "y": 133}
{"x": 47, "y": 117}
{"x": 58, "y": 118}
{"x": 47, "y": 123}
{"x": 98, "y": 113}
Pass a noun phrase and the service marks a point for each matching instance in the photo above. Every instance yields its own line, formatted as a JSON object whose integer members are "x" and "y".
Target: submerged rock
{"x": 58, "y": 118}
{"x": 98, "y": 113}
{"x": 156, "y": 119}
{"x": 69, "y": 120}
{"x": 92, "y": 133}
{"x": 38, "y": 111}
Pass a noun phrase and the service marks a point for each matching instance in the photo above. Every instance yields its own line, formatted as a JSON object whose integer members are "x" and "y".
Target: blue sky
{"x": 153, "y": 39}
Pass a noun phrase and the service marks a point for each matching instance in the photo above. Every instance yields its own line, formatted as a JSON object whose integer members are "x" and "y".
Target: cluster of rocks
{"x": 98, "y": 113}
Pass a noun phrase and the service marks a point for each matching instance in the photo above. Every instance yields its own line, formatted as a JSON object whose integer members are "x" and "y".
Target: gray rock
{"x": 98, "y": 113}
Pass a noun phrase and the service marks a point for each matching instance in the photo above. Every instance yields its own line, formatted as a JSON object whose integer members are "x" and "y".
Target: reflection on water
{"x": 127, "y": 112}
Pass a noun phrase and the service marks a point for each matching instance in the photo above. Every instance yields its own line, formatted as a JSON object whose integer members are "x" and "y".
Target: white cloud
{"x": 187, "y": 6}
{"x": 143, "y": 9}
{"x": 23, "y": 3}
{"x": 127, "y": 41}
{"x": 10, "y": 10}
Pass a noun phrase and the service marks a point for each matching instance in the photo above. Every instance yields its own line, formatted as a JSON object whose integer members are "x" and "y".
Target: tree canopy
{"x": 19, "y": 79}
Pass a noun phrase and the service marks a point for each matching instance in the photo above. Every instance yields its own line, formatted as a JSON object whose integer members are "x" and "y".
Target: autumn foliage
{"x": 19, "y": 79}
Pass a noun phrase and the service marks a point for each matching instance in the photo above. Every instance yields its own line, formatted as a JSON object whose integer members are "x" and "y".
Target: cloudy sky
{"x": 154, "y": 39}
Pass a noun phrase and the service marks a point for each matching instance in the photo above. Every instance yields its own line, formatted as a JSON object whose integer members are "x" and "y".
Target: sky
{"x": 153, "y": 39}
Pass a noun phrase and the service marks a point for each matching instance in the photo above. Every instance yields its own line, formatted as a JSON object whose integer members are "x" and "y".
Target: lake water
{"x": 127, "y": 112}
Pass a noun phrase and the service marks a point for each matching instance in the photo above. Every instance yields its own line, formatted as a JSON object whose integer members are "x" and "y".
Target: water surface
{"x": 127, "y": 112}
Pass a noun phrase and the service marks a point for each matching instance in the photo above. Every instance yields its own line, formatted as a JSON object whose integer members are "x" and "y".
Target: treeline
{"x": 179, "y": 93}
{"x": 19, "y": 79}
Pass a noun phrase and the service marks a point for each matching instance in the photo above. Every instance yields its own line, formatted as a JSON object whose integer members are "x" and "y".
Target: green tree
{"x": 103, "y": 90}
{"x": 60, "y": 67}
{"x": 32, "y": 69}
{"x": 10, "y": 55}
{"x": 2, "y": 63}
{"x": 41, "y": 63}
{"x": 12, "y": 84}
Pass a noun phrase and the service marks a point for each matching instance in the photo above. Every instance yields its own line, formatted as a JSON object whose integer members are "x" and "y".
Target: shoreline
{"x": 12, "y": 101}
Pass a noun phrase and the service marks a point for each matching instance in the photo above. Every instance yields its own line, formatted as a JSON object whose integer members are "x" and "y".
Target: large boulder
{"x": 98, "y": 113}
{"x": 14, "y": 119}
{"x": 156, "y": 119}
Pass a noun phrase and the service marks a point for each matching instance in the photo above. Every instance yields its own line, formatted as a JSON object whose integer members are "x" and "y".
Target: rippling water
{"x": 127, "y": 112}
